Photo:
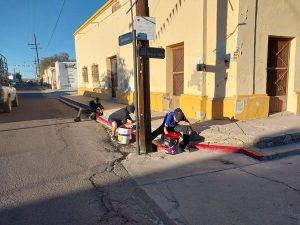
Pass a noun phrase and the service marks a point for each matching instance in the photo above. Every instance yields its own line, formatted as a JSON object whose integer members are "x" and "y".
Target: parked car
{"x": 8, "y": 97}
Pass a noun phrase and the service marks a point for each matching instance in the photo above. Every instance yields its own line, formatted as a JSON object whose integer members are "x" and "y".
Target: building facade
{"x": 49, "y": 77}
{"x": 63, "y": 75}
{"x": 66, "y": 75}
{"x": 224, "y": 59}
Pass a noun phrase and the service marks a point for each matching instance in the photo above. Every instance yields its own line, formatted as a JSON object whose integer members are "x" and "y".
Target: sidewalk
{"x": 259, "y": 138}
{"x": 213, "y": 186}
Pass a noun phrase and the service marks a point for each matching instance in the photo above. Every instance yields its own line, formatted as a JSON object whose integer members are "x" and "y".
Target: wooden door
{"x": 277, "y": 73}
{"x": 114, "y": 78}
{"x": 178, "y": 75}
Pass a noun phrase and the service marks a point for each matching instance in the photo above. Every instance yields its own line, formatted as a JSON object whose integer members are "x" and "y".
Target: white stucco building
{"x": 49, "y": 76}
{"x": 63, "y": 75}
{"x": 66, "y": 75}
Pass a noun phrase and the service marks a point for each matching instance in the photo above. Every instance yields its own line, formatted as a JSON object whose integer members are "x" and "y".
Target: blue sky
{"x": 20, "y": 19}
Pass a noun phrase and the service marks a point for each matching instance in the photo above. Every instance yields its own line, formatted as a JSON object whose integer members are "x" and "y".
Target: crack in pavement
{"x": 175, "y": 205}
{"x": 271, "y": 180}
{"x": 111, "y": 213}
{"x": 124, "y": 201}
{"x": 59, "y": 134}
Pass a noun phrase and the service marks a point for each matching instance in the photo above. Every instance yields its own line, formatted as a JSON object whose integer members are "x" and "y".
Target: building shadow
{"x": 37, "y": 106}
{"x": 197, "y": 180}
{"x": 204, "y": 125}
{"x": 221, "y": 65}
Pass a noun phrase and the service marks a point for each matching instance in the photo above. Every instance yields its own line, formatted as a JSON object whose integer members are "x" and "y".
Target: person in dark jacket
{"x": 96, "y": 108}
{"x": 120, "y": 119}
{"x": 170, "y": 124}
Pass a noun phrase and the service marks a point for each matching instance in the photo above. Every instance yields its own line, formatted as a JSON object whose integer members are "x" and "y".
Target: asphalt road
{"x": 56, "y": 171}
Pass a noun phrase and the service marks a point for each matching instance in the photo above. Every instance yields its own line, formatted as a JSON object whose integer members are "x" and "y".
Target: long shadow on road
{"x": 37, "y": 107}
{"x": 190, "y": 192}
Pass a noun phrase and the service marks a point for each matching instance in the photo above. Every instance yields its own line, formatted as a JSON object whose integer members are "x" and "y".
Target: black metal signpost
{"x": 149, "y": 52}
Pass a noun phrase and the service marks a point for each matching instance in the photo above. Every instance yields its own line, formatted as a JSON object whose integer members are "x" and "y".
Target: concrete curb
{"x": 72, "y": 103}
{"x": 280, "y": 155}
{"x": 252, "y": 153}
{"x": 103, "y": 121}
{"x": 228, "y": 149}
{"x": 69, "y": 103}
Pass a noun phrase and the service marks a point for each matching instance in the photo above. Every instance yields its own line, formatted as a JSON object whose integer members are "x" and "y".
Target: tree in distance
{"x": 49, "y": 61}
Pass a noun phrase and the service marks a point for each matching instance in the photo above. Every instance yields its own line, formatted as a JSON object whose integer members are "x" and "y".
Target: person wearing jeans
{"x": 170, "y": 124}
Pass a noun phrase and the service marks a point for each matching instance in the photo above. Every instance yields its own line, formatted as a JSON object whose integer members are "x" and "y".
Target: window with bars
{"x": 85, "y": 77}
{"x": 95, "y": 73}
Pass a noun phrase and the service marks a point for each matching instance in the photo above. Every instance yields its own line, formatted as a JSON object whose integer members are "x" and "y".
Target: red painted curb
{"x": 231, "y": 149}
{"x": 252, "y": 153}
{"x": 103, "y": 121}
{"x": 228, "y": 149}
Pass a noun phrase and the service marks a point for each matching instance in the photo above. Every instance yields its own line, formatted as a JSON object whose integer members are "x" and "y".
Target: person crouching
{"x": 170, "y": 124}
{"x": 120, "y": 118}
{"x": 96, "y": 108}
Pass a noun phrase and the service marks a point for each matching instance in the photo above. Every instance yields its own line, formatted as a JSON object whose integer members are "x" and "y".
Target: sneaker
{"x": 77, "y": 119}
{"x": 92, "y": 116}
{"x": 185, "y": 149}
{"x": 113, "y": 138}
{"x": 189, "y": 148}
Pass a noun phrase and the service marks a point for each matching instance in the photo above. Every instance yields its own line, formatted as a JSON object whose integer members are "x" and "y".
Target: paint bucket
{"x": 124, "y": 135}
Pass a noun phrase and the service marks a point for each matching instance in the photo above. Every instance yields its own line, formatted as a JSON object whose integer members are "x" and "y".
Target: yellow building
{"x": 224, "y": 58}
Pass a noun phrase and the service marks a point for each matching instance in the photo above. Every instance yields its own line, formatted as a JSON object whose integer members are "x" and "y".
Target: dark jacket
{"x": 121, "y": 115}
{"x": 95, "y": 105}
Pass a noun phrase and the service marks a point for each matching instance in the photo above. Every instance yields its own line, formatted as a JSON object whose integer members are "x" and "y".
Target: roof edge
{"x": 94, "y": 16}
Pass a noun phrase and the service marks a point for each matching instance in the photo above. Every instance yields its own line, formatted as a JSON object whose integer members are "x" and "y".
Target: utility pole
{"x": 37, "y": 60}
{"x": 144, "y": 118}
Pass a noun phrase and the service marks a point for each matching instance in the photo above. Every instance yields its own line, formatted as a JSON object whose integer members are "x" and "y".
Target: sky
{"x": 52, "y": 21}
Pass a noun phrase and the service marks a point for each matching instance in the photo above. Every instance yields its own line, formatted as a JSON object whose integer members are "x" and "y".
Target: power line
{"x": 61, "y": 9}
{"x": 29, "y": 23}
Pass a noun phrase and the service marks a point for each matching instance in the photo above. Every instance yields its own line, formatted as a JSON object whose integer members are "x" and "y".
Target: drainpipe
{"x": 254, "y": 47}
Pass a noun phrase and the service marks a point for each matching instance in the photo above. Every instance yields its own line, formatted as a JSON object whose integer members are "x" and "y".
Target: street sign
{"x": 148, "y": 52}
{"x": 125, "y": 39}
{"x": 145, "y": 28}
